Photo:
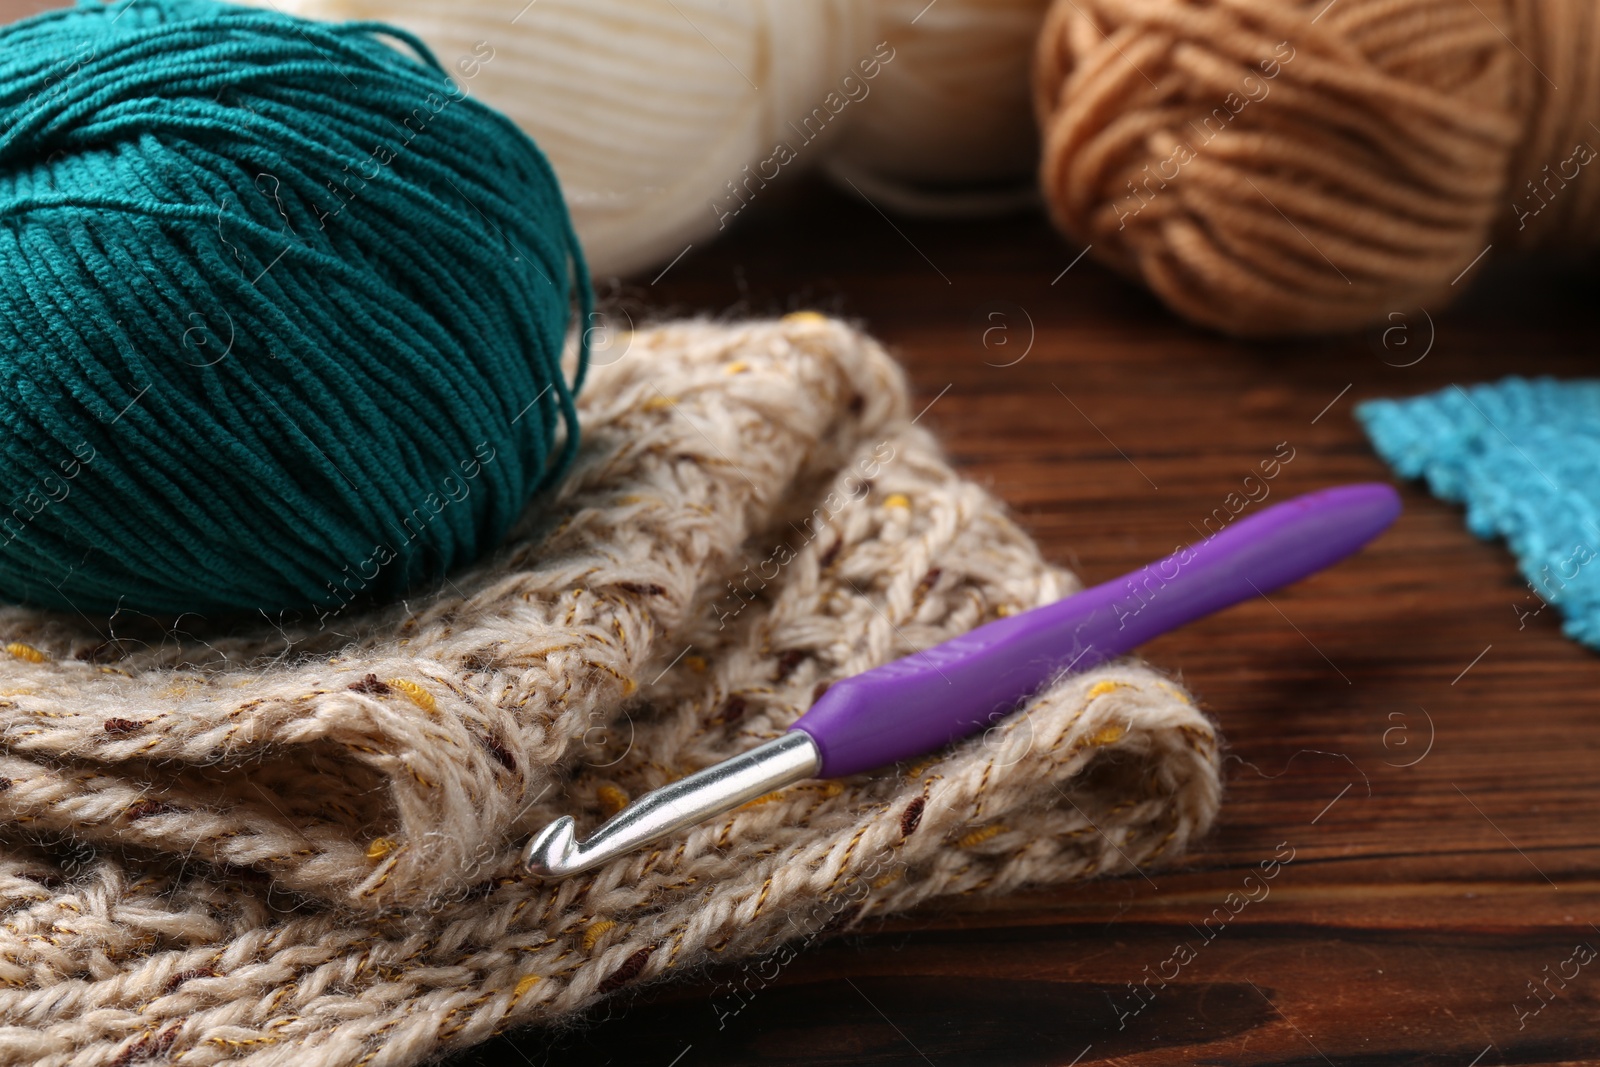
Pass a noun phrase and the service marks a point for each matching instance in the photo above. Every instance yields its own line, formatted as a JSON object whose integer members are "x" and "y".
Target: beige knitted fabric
{"x": 298, "y": 845}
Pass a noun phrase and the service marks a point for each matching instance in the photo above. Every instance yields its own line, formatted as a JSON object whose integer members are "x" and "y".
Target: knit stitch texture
{"x": 1524, "y": 457}
{"x": 299, "y": 846}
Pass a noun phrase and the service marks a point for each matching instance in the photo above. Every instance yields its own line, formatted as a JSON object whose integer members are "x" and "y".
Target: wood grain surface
{"x": 1425, "y": 754}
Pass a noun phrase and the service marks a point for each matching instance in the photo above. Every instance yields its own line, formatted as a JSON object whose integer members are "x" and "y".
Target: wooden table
{"x": 1428, "y": 763}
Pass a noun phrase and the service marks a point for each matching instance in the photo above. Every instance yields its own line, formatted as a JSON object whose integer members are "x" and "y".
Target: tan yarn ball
{"x": 949, "y": 128}
{"x": 1273, "y": 168}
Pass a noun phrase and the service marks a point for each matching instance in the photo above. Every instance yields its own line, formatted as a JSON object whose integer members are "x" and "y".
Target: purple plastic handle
{"x": 929, "y": 698}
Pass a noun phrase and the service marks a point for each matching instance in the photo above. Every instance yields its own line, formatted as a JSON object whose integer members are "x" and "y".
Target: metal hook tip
{"x": 555, "y": 853}
{"x": 551, "y": 851}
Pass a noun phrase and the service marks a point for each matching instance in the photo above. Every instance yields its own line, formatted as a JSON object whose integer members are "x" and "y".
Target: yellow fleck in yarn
{"x": 418, "y": 695}
{"x": 612, "y": 799}
{"x": 978, "y": 837}
{"x": 897, "y": 500}
{"x": 26, "y": 652}
{"x": 1107, "y": 735}
{"x": 596, "y": 932}
{"x": 380, "y": 847}
{"x": 1175, "y": 692}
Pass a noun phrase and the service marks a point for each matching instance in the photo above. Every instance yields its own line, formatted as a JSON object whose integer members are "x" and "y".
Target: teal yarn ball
{"x": 282, "y": 312}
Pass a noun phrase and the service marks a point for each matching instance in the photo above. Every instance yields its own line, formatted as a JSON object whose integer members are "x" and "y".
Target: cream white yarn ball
{"x": 664, "y": 119}
{"x": 647, "y": 109}
{"x": 951, "y": 118}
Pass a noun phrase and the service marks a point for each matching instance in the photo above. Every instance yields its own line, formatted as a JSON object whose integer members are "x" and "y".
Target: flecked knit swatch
{"x": 299, "y": 845}
{"x": 1524, "y": 457}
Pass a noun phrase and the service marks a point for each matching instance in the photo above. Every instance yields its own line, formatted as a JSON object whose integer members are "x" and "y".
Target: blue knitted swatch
{"x": 1524, "y": 457}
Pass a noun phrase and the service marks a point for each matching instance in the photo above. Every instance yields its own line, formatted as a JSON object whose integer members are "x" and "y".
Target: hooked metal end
{"x": 551, "y": 849}
{"x": 555, "y": 852}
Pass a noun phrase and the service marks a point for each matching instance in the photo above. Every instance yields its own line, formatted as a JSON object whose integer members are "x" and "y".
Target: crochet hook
{"x": 927, "y": 699}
